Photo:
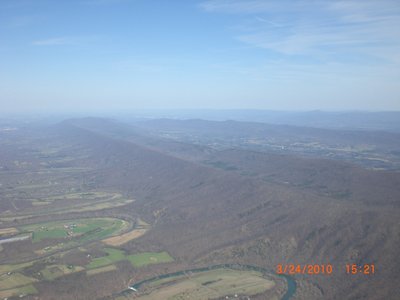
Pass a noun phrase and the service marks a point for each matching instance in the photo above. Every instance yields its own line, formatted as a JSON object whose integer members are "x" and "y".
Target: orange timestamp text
{"x": 310, "y": 269}
{"x": 325, "y": 269}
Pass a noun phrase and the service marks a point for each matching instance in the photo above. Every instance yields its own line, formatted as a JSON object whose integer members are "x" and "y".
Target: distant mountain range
{"x": 385, "y": 120}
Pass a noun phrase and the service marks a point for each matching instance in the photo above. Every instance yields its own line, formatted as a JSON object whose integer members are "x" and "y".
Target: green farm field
{"x": 212, "y": 284}
{"x": 148, "y": 258}
{"x": 82, "y": 229}
{"x": 137, "y": 260}
{"x": 14, "y": 292}
{"x": 52, "y": 272}
{"x": 13, "y": 284}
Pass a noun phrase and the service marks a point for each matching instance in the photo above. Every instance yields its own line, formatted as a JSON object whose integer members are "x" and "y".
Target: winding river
{"x": 291, "y": 283}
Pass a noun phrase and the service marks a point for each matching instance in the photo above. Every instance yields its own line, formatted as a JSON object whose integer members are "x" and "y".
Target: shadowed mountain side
{"x": 333, "y": 178}
{"x": 141, "y": 136}
{"x": 197, "y": 210}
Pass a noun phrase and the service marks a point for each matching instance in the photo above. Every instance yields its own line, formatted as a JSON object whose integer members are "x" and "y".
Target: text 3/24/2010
{"x": 327, "y": 269}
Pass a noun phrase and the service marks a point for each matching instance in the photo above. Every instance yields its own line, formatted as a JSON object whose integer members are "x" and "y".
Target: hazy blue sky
{"x": 127, "y": 54}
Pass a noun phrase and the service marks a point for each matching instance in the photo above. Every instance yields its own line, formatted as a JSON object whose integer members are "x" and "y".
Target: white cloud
{"x": 21, "y": 21}
{"x": 327, "y": 30}
{"x": 103, "y": 2}
{"x": 256, "y": 6}
{"x": 54, "y": 42}
{"x": 65, "y": 40}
